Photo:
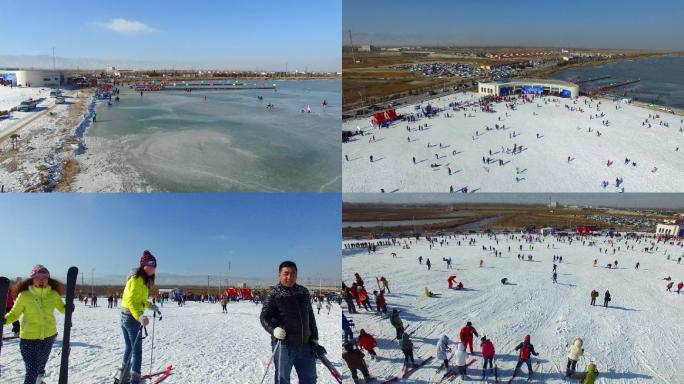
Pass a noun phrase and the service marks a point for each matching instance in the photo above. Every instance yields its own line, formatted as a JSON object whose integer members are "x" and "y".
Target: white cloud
{"x": 127, "y": 27}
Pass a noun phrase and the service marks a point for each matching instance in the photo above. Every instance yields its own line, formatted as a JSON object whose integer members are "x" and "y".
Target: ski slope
{"x": 461, "y": 141}
{"x": 638, "y": 339}
{"x": 204, "y": 345}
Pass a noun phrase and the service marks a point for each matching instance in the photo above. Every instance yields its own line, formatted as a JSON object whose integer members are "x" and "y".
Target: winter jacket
{"x": 426, "y": 292}
{"x": 384, "y": 282}
{"x": 290, "y": 308}
{"x": 366, "y": 341}
{"x": 345, "y": 323}
{"x": 37, "y": 305}
{"x": 353, "y": 358}
{"x": 467, "y": 332}
{"x": 526, "y": 350}
{"x": 135, "y": 296}
{"x": 442, "y": 346}
{"x": 461, "y": 355}
{"x": 680, "y": 285}
{"x": 590, "y": 378}
{"x": 406, "y": 343}
{"x": 381, "y": 300}
{"x": 575, "y": 350}
{"x": 487, "y": 349}
{"x": 395, "y": 320}
{"x": 10, "y": 301}
{"x": 362, "y": 295}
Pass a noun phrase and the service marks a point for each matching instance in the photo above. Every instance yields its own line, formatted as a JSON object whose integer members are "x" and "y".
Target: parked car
{"x": 55, "y": 93}
{"x": 26, "y": 106}
{"x": 60, "y": 100}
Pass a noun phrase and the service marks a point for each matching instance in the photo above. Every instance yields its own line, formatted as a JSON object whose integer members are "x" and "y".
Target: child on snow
{"x": 526, "y": 351}
{"x": 574, "y": 352}
{"x": 461, "y": 356}
{"x": 407, "y": 349}
{"x": 354, "y": 359}
{"x": 367, "y": 342}
{"x": 442, "y": 350}
{"x": 37, "y": 298}
{"x": 487, "y": 353}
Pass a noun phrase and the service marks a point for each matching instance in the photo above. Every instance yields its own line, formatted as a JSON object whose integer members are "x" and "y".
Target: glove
{"x": 144, "y": 320}
{"x": 279, "y": 333}
{"x": 317, "y": 349}
{"x": 154, "y": 308}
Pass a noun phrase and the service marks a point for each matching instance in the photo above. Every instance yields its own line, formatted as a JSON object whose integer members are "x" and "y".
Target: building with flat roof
{"x": 526, "y": 86}
{"x": 33, "y": 77}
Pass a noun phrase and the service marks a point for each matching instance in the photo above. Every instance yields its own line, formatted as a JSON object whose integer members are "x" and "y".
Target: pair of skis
{"x": 409, "y": 372}
{"x": 534, "y": 369}
{"x": 452, "y": 373}
{"x": 163, "y": 374}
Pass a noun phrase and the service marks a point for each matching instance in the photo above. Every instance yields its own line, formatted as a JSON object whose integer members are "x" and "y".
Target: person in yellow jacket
{"x": 134, "y": 301}
{"x": 590, "y": 378}
{"x": 427, "y": 293}
{"x": 574, "y": 352}
{"x": 37, "y": 298}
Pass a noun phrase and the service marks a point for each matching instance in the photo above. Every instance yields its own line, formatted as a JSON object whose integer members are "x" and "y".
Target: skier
{"x": 590, "y": 378}
{"x": 381, "y": 303}
{"x": 461, "y": 359}
{"x": 288, "y": 316}
{"x": 606, "y": 298}
{"x": 487, "y": 353}
{"x": 555, "y": 276}
{"x": 224, "y": 304}
{"x": 450, "y": 281}
{"x": 395, "y": 320}
{"x": 442, "y": 350}
{"x": 363, "y": 298}
{"x": 420, "y": 260}
{"x": 407, "y": 348}
{"x": 427, "y": 293}
{"x": 367, "y": 342}
{"x": 526, "y": 351}
{"x": 574, "y": 352}
{"x": 680, "y": 286}
{"x": 347, "y": 296}
{"x": 428, "y": 263}
{"x": 37, "y": 298}
{"x": 346, "y": 328}
{"x": 384, "y": 284}
{"x": 354, "y": 359}
{"x": 594, "y": 295}
{"x": 319, "y": 305}
{"x": 637, "y": 265}
{"x": 466, "y": 335}
{"x": 8, "y": 307}
{"x": 133, "y": 304}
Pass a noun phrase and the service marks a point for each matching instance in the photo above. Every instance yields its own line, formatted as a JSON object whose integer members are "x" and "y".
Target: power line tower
{"x": 351, "y": 43}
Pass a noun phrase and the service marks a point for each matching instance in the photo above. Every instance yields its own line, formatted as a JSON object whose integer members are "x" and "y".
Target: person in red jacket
{"x": 450, "y": 280}
{"x": 355, "y": 293}
{"x": 363, "y": 298}
{"x": 380, "y": 303}
{"x": 526, "y": 351}
{"x": 466, "y": 335}
{"x": 487, "y": 353}
{"x": 8, "y": 307}
{"x": 680, "y": 286}
{"x": 367, "y": 342}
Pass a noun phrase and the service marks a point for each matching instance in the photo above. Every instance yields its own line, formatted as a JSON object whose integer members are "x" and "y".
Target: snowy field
{"x": 548, "y": 132}
{"x": 639, "y": 338}
{"x": 204, "y": 345}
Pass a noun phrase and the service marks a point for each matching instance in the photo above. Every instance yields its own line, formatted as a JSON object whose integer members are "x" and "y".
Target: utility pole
{"x": 92, "y": 283}
{"x": 53, "y": 58}
{"x": 351, "y": 43}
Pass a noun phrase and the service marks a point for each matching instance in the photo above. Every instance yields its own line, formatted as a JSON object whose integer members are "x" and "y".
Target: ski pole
{"x": 270, "y": 361}
{"x": 154, "y": 318}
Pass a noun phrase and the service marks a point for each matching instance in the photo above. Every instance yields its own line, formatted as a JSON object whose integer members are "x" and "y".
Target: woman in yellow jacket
{"x": 133, "y": 302}
{"x": 37, "y": 298}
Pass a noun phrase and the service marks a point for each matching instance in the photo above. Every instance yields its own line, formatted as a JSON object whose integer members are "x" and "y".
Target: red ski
{"x": 152, "y": 374}
{"x": 454, "y": 375}
{"x": 415, "y": 368}
{"x": 164, "y": 375}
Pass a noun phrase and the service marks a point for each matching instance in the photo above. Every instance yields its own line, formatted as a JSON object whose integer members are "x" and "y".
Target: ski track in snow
{"x": 638, "y": 339}
{"x": 544, "y": 159}
{"x": 204, "y": 345}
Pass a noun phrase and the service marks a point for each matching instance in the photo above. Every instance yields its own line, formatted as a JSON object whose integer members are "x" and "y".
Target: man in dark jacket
{"x": 288, "y": 316}
{"x": 354, "y": 359}
{"x": 526, "y": 351}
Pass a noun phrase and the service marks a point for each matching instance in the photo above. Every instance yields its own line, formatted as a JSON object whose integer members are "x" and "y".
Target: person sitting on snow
{"x": 427, "y": 293}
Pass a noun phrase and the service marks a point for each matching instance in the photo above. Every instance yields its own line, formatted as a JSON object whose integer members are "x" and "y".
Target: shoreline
{"x": 424, "y": 96}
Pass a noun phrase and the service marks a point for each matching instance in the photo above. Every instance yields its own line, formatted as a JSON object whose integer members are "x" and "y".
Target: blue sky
{"x": 653, "y": 24}
{"x": 191, "y": 234}
{"x": 255, "y": 34}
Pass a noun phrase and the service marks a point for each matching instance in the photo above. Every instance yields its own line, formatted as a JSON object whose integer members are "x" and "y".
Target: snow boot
{"x": 135, "y": 378}
{"x": 123, "y": 374}
{"x": 40, "y": 379}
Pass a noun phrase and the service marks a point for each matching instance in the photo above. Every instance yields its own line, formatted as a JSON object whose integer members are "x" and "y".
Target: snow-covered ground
{"x": 204, "y": 345}
{"x": 461, "y": 141}
{"x": 639, "y": 338}
{"x": 12, "y": 97}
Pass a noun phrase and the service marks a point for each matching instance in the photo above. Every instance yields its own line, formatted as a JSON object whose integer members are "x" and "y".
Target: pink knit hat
{"x": 39, "y": 271}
